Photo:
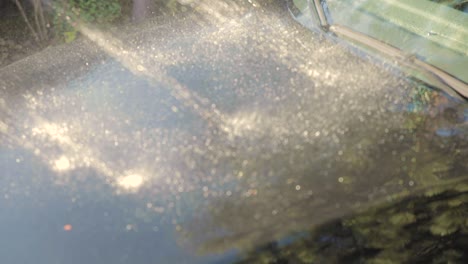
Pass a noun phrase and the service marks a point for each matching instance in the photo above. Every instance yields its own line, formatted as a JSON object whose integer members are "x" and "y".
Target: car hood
{"x": 196, "y": 140}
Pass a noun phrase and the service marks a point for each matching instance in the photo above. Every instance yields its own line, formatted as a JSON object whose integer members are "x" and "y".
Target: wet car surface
{"x": 219, "y": 138}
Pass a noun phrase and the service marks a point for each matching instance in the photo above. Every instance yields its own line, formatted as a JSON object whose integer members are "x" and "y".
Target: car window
{"x": 428, "y": 46}
{"x": 433, "y": 31}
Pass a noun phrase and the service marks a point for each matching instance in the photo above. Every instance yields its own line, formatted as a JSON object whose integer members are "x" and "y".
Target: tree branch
{"x": 23, "y": 14}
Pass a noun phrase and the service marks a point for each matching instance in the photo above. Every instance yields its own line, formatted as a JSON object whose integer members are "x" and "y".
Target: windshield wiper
{"x": 434, "y": 75}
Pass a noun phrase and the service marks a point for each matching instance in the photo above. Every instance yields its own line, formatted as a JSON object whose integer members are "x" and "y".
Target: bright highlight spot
{"x": 67, "y": 227}
{"x": 62, "y": 164}
{"x": 132, "y": 181}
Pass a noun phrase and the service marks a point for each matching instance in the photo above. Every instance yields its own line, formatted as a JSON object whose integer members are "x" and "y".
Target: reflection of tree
{"x": 291, "y": 189}
{"x": 430, "y": 228}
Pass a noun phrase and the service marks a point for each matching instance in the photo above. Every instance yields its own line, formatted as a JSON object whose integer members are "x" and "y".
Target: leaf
{"x": 462, "y": 187}
{"x": 444, "y": 225}
{"x": 455, "y": 202}
{"x": 403, "y": 218}
{"x": 69, "y": 36}
{"x": 434, "y": 191}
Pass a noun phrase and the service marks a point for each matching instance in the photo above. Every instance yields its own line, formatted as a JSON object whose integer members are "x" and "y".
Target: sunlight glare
{"x": 131, "y": 181}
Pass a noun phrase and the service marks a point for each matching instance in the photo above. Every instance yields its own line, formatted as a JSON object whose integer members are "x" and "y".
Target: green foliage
{"x": 403, "y": 218}
{"x": 96, "y": 12}
{"x": 419, "y": 229}
{"x": 444, "y": 225}
{"x": 70, "y": 35}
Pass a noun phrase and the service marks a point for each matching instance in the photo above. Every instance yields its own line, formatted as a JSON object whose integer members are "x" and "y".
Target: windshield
{"x": 223, "y": 132}
{"x": 427, "y": 38}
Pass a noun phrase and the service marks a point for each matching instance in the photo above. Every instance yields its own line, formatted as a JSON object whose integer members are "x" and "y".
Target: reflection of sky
{"x": 34, "y": 211}
{"x": 106, "y": 127}
{"x": 114, "y": 89}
